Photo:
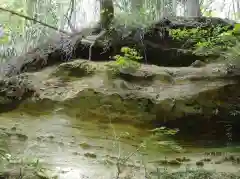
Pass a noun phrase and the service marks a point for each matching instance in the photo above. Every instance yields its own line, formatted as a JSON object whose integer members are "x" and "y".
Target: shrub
{"x": 205, "y": 42}
{"x": 129, "y": 61}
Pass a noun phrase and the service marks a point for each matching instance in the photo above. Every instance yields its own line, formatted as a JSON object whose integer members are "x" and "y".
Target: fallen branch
{"x": 33, "y": 19}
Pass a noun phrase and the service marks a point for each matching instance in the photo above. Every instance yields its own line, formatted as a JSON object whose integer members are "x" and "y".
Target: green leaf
{"x": 237, "y": 28}
{"x": 4, "y": 39}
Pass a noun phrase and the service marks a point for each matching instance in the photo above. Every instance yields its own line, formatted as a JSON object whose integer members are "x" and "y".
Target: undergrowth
{"x": 127, "y": 62}
{"x": 218, "y": 41}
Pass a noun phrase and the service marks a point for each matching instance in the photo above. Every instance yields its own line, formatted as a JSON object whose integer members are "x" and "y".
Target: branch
{"x": 71, "y": 10}
{"x": 33, "y": 19}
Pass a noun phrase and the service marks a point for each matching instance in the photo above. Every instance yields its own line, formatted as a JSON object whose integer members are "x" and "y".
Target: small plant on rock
{"x": 209, "y": 41}
{"x": 129, "y": 61}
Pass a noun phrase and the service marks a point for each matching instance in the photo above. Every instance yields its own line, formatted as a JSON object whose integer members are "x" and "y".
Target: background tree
{"x": 106, "y": 13}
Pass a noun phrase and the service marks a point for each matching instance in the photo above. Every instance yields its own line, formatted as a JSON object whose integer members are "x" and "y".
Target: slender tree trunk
{"x": 174, "y": 7}
{"x": 106, "y": 13}
{"x": 192, "y": 8}
{"x": 238, "y": 9}
{"x": 137, "y": 5}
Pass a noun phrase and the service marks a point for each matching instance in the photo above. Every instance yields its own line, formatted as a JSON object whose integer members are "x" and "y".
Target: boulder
{"x": 183, "y": 97}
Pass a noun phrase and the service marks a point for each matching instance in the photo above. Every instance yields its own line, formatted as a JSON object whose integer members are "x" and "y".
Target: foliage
{"x": 207, "y": 41}
{"x": 232, "y": 55}
{"x": 21, "y": 35}
{"x": 129, "y": 61}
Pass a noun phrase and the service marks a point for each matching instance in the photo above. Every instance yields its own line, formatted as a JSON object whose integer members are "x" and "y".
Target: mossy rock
{"x": 200, "y": 163}
{"x": 90, "y": 155}
{"x": 85, "y": 145}
{"x": 183, "y": 159}
{"x": 77, "y": 68}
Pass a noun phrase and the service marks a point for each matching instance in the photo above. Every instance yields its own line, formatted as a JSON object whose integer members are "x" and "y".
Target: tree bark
{"x": 192, "y": 8}
{"x": 106, "y": 13}
{"x": 136, "y": 5}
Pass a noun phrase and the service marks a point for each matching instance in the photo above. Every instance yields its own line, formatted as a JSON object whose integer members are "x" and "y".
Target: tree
{"x": 237, "y": 9}
{"x": 106, "y": 13}
{"x": 192, "y": 8}
{"x": 136, "y": 5}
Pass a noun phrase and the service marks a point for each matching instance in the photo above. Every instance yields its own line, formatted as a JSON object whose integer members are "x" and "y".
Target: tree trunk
{"x": 136, "y": 5}
{"x": 106, "y": 13}
{"x": 174, "y": 7}
{"x": 238, "y": 9}
{"x": 192, "y": 8}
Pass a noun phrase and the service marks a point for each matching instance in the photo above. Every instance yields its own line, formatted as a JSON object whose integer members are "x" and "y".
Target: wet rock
{"x": 229, "y": 158}
{"x": 45, "y": 175}
{"x": 200, "y": 163}
{"x": 206, "y": 160}
{"x": 85, "y": 145}
{"x": 174, "y": 162}
{"x": 149, "y": 101}
{"x": 90, "y": 155}
{"x": 17, "y": 172}
{"x": 213, "y": 153}
{"x": 76, "y": 153}
{"x": 72, "y": 143}
{"x": 61, "y": 143}
{"x": 13, "y": 91}
{"x": 183, "y": 159}
{"x": 198, "y": 63}
{"x": 19, "y": 136}
{"x": 109, "y": 162}
{"x": 112, "y": 157}
{"x": 167, "y": 162}
{"x": 196, "y": 174}
{"x": 74, "y": 69}
{"x": 40, "y": 138}
{"x": 14, "y": 128}
{"x": 161, "y": 162}
{"x": 232, "y": 158}
{"x": 138, "y": 76}
{"x": 22, "y": 137}
{"x": 51, "y": 137}
{"x": 219, "y": 162}
{"x": 10, "y": 173}
{"x": 3, "y": 128}
{"x": 237, "y": 160}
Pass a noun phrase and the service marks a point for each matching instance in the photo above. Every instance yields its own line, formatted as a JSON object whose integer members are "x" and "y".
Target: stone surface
{"x": 152, "y": 95}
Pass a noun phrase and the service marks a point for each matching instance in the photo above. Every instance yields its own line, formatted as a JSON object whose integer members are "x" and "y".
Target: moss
{"x": 77, "y": 69}
{"x": 105, "y": 107}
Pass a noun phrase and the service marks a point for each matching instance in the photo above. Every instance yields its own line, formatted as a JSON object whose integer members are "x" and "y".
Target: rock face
{"x": 13, "y": 91}
{"x": 154, "y": 42}
{"x": 161, "y": 49}
{"x": 151, "y": 96}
